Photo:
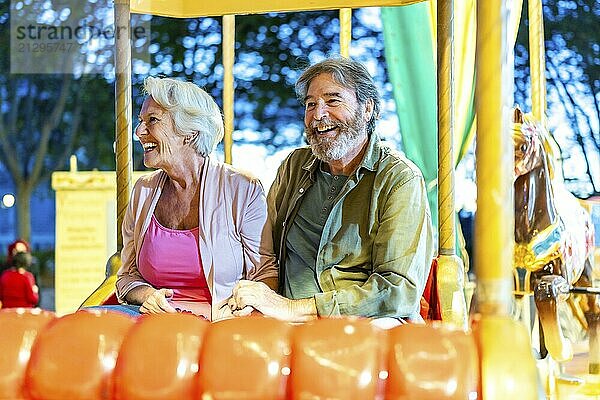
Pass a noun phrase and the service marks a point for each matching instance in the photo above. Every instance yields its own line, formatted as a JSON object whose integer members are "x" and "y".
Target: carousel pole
{"x": 494, "y": 152}
{"x": 537, "y": 63}
{"x": 537, "y": 67}
{"x": 451, "y": 269}
{"x": 123, "y": 140}
{"x": 228, "y": 89}
{"x": 508, "y": 370}
{"x": 345, "y": 31}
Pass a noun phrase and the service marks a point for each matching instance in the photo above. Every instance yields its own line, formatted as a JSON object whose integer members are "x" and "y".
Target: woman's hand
{"x": 157, "y": 303}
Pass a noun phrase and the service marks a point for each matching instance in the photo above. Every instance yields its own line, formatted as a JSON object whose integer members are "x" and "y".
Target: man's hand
{"x": 249, "y": 295}
{"x": 156, "y": 302}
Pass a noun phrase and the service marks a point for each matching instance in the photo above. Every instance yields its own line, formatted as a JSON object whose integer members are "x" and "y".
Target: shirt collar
{"x": 371, "y": 157}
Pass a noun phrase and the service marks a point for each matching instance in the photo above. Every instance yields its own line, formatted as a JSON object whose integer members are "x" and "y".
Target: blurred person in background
{"x": 18, "y": 287}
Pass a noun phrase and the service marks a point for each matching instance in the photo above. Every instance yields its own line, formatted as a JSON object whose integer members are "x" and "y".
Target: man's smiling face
{"x": 335, "y": 123}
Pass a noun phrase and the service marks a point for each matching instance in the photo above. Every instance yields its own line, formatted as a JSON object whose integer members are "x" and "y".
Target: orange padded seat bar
{"x": 75, "y": 356}
{"x": 19, "y": 329}
{"x": 431, "y": 362}
{"x": 159, "y": 358}
{"x": 338, "y": 359}
{"x": 245, "y": 358}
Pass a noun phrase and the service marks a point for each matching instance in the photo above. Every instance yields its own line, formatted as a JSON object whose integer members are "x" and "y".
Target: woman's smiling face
{"x": 156, "y": 132}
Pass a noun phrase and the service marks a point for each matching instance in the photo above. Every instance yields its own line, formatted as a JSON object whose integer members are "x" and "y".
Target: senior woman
{"x": 195, "y": 226}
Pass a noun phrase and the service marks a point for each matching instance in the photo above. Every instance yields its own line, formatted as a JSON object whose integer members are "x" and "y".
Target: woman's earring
{"x": 188, "y": 139}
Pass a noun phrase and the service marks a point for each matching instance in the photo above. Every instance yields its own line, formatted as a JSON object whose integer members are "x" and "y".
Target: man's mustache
{"x": 326, "y": 122}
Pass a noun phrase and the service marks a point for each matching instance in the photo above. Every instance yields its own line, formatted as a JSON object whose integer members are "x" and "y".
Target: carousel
{"x": 514, "y": 331}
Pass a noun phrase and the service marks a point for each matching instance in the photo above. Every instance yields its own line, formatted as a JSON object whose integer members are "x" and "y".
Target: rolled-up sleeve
{"x": 402, "y": 252}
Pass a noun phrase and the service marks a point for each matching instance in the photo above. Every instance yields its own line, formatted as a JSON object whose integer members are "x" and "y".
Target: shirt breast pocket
{"x": 344, "y": 276}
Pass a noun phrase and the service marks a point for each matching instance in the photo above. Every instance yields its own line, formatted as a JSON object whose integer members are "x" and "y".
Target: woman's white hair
{"x": 194, "y": 111}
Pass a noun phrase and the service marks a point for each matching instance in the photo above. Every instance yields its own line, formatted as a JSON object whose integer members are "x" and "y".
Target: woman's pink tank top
{"x": 170, "y": 258}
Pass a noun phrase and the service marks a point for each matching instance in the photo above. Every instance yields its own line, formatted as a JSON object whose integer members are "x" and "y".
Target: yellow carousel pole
{"x": 508, "y": 370}
{"x": 123, "y": 147}
{"x": 537, "y": 67}
{"x": 451, "y": 271}
{"x": 228, "y": 91}
{"x": 345, "y": 31}
{"x": 537, "y": 63}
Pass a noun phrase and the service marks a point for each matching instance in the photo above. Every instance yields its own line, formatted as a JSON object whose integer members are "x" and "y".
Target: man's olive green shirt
{"x": 376, "y": 247}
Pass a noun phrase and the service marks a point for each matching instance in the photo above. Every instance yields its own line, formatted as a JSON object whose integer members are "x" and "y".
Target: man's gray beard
{"x": 329, "y": 149}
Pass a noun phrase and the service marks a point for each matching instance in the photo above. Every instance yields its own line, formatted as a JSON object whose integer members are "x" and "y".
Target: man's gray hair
{"x": 348, "y": 73}
{"x": 192, "y": 110}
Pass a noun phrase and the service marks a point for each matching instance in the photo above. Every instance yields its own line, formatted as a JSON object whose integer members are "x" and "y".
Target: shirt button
{"x": 330, "y": 197}
{"x": 335, "y": 178}
{"x": 301, "y": 190}
{"x": 333, "y": 188}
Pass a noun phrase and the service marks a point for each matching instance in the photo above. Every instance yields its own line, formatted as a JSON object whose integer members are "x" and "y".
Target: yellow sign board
{"x": 85, "y": 233}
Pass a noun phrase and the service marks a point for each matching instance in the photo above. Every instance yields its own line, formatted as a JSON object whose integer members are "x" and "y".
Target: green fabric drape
{"x": 411, "y": 61}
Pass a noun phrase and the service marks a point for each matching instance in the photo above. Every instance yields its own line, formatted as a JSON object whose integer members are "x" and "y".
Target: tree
{"x": 271, "y": 51}
{"x": 42, "y": 118}
{"x": 573, "y": 86}
{"x": 45, "y": 118}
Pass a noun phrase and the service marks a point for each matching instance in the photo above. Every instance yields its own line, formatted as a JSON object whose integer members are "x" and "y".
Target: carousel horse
{"x": 553, "y": 245}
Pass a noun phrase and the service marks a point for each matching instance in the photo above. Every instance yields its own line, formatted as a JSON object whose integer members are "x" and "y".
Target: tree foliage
{"x": 271, "y": 51}
{"x": 44, "y": 118}
{"x": 572, "y": 54}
